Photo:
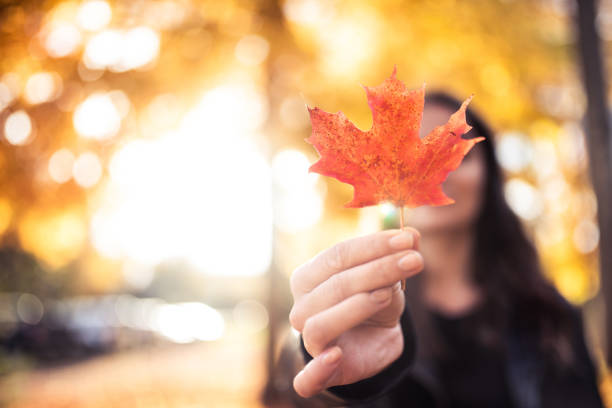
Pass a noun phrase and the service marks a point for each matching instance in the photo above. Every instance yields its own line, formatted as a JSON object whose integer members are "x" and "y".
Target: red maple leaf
{"x": 390, "y": 162}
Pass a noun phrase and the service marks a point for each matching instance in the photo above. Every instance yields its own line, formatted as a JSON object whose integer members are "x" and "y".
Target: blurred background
{"x": 154, "y": 193}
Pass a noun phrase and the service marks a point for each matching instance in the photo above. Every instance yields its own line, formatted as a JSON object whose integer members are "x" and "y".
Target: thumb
{"x": 315, "y": 376}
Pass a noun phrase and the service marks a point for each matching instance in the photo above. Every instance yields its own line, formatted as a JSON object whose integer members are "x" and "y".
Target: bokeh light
{"x": 586, "y": 236}
{"x": 97, "y": 117}
{"x": 60, "y": 165}
{"x": 523, "y": 198}
{"x": 29, "y": 308}
{"x": 62, "y": 40}
{"x": 252, "y": 50}
{"x": 514, "y": 151}
{"x": 87, "y": 169}
{"x": 141, "y": 47}
{"x": 104, "y": 50}
{"x": 308, "y": 11}
{"x": 94, "y": 15}
{"x": 121, "y": 51}
{"x": 43, "y": 87}
{"x": 18, "y": 128}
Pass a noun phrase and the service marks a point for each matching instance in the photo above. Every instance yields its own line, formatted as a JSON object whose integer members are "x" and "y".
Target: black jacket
{"x": 531, "y": 382}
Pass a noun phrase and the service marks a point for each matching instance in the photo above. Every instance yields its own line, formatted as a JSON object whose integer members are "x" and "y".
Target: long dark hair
{"x": 504, "y": 265}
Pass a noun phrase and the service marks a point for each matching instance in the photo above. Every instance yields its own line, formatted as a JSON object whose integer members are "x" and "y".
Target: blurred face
{"x": 465, "y": 185}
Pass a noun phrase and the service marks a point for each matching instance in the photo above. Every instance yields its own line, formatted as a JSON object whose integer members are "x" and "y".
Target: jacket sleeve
{"x": 373, "y": 388}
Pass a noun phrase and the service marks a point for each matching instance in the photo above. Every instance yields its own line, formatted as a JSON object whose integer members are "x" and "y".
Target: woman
{"x": 479, "y": 327}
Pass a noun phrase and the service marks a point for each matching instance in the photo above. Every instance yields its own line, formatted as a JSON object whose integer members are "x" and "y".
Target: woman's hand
{"x": 347, "y": 305}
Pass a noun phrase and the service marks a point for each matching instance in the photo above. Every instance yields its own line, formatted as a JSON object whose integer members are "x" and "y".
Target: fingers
{"x": 366, "y": 277}
{"x": 350, "y": 253}
{"x": 318, "y": 373}
{"x": 322, "y": 328}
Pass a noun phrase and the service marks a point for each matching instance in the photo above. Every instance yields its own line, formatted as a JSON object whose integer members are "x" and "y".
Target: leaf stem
{"x": 401, "y": 211}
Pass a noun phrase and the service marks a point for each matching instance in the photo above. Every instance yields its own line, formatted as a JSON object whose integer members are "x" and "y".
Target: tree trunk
{"x": 597, "y": 130}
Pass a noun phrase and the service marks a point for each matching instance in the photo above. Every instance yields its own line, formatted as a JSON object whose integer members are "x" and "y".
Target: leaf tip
{"x": 467, "y": 101}
{"x": 312, "y": 169}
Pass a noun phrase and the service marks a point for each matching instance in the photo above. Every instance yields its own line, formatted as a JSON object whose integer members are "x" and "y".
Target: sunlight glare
{"x": 199, "y": 193}
{"x": 298, "y": 204}
{"x": 290, "y": 169}
{"x": 188, "y": 322}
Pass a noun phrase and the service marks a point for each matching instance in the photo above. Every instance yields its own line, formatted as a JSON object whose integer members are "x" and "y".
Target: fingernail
{"x": 408, "y": 261}
{"x": 331, "y": 356}
{"x": 381, "y": 295}
{"x": 404, "y": 239}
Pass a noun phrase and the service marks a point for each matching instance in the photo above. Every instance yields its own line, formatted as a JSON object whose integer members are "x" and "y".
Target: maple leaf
{"x": 390, "y": 162}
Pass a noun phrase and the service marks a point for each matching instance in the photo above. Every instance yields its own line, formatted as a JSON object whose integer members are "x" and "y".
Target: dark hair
{"x": 504, "y": 264}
